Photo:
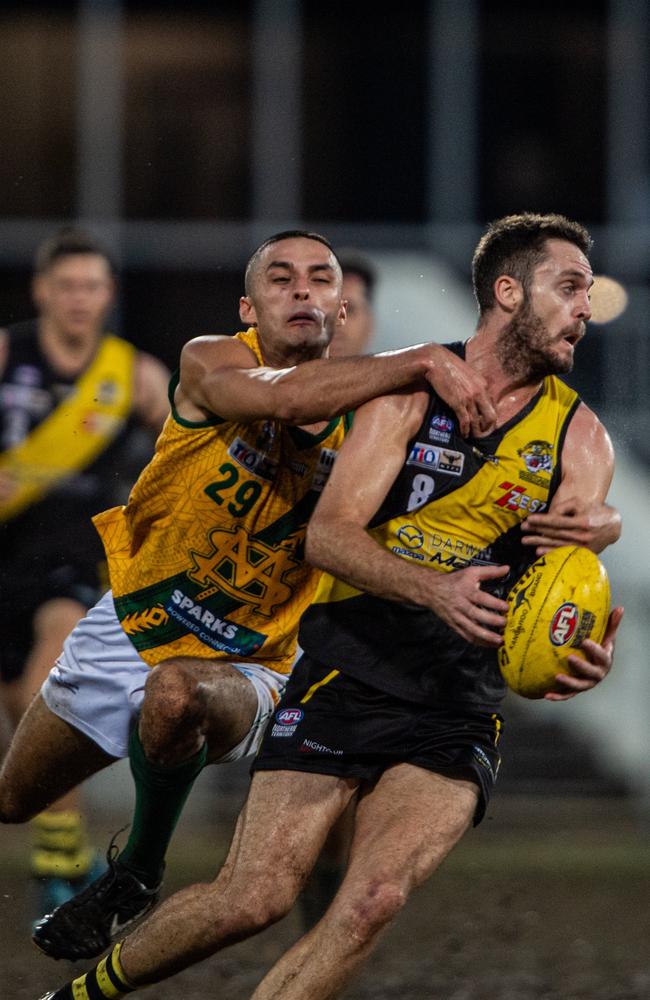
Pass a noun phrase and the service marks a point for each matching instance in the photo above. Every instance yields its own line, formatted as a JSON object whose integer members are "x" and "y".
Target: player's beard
{"x": 524, "y": 347}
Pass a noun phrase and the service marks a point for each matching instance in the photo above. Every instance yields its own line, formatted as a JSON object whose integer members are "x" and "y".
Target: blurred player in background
{"x": 71, "y": 395}
{"x": 397, "y": 694}
{"x": 359, "y": 284}
{"x": 207, "y": 571}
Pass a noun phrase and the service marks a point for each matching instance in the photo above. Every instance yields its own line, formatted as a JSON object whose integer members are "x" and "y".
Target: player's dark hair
{"x": 287, "y": 234}
{"x": 66, "y": 242}
{"x": 516, "y": 245}
{"x": 355, "y": 262}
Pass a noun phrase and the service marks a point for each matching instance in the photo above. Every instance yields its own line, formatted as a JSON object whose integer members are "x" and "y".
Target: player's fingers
{"x": 554, "y": 539}
{"x": 613, "y": 622}
{"x": 567, "y": 536}
{"x": 480, "y": 635}
{"x": 556, "y": 696}
{"x": 485, "y": 616}
{"x": 484, "y": 416}
{"x": 490, "y": 572}
{"x": 492, "y": 603}
{"x": 598, "y": 655}
{"x": 485, "y": 637}
{"x": 464, "y": 421}
{"x": 554, "y": 519}
{"x": 488, "y": 413}
{"x": 568, "y": 687}
{"x": 538, "y": 540}
{"x": 593, "y": 670}
{"x": 566, "y": 532}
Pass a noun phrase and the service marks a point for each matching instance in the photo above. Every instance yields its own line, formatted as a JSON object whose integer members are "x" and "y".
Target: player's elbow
{"x": 296, "y": 401}
{"x": 316, "y": 542}
{"x": 288, "y": 411}
{"x": 291, "y": 408}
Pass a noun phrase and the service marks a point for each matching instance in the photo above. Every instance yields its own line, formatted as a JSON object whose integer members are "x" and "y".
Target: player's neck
{"x": 509, "y": 390}
{"x": 66, "y": 351}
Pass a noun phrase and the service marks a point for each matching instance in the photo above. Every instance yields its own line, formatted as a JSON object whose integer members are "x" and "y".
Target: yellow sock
{"x": 60, "y": 848}
{"x": 106, "y": 980}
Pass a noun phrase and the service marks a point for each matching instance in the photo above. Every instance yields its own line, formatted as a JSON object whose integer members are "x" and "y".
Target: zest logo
{"x": 516, "y": 498}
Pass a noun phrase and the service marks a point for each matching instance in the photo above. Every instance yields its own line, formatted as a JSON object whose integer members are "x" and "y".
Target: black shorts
{"x": 330, "y": 723}
{"x": 25, "y": 586}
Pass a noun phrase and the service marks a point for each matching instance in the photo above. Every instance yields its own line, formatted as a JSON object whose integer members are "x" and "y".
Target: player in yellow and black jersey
{"x": 456, "y": 502}
{"x": 74, "y": 400}
{"x": 207, "y": 571}
{"x": 386, "y": 702}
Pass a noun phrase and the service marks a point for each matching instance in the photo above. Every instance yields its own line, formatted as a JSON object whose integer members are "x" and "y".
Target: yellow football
{"x": 560, "y": 600}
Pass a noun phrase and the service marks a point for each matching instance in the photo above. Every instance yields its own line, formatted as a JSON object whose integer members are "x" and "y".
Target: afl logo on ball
{"x": 563, "y": 624}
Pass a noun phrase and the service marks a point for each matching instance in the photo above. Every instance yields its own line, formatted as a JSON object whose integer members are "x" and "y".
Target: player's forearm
{"x": 322, "y": 389}
{"x": 349, "y": 553}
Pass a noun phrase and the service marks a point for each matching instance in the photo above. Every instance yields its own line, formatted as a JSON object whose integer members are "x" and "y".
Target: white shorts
{"x": 97, "y": 685}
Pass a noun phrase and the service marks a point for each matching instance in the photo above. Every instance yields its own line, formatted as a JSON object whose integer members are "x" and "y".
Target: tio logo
{"x": 563, "y": 624}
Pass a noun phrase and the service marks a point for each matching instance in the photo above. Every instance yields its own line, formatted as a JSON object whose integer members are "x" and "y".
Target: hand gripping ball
{"x": 560, "y": 600}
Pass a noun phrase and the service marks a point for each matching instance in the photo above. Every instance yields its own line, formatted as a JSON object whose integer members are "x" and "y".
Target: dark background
{"x": 186, "y": 143}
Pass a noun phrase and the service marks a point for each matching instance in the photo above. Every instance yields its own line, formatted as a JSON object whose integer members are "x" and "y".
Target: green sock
{"x": 160, "y": 794}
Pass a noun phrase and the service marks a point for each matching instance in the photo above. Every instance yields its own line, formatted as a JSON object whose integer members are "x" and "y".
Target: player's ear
{"x": 508, "y": 292}
{"x": 247, "y": 313}
{"x": 342, "y": 314}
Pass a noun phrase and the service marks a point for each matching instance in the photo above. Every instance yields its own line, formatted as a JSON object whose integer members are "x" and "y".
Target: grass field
{"x": 546, "y": 900}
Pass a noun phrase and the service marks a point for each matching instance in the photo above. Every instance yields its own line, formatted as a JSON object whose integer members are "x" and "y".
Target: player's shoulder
{"x": 587, "y": 431}
{"x": 212, "y": 351}
{"x": 402, "y": 410}
{"x": 585, "y": 418}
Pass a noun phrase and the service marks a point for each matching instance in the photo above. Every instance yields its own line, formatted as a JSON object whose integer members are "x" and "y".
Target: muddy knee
{"x": 373, "y": 909}
{"x": 172, "y": 716}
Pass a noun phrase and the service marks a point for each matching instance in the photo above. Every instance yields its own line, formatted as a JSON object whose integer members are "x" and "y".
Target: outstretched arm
{"x": 220, "y": 375}
{"x": 337, "y": 539}
{"x": 578, "y": 514}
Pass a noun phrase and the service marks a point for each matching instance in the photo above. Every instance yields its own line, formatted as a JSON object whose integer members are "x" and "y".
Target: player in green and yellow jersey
{"x": 207, "y": 571}
{"x": 396, "y": 696}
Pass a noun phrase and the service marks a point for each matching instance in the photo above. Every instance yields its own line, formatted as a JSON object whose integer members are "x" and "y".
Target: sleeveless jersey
{"x": 207, "y": 557}
{"x": 59, "y": 521}
{"x": 456, "y": 502}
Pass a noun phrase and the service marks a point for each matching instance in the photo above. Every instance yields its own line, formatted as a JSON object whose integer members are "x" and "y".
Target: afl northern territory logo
{"x": 289, "y": 716}
{"x": 563, "y": 624}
